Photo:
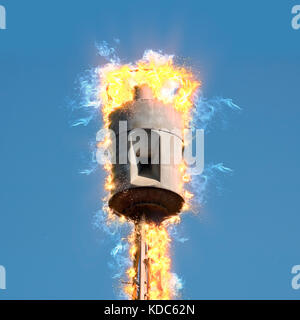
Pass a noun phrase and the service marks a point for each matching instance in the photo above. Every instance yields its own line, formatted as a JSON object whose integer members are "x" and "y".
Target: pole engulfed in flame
{"x": 158, "y": 258}
{"x": 173, "y": 85}
{"x": 159, "y": 262}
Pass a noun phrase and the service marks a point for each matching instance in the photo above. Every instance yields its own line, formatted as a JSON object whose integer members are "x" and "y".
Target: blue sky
{"x": 245, "y": 240}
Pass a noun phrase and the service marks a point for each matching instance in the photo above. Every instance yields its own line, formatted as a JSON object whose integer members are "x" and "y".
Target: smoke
{"x": 107, "y": 52}
{"x": 199, "y": 184}
{"x": 176, "y": 285}
{"x": 204, "y": 115}
{"x": 87, "y": 102}
{"x": 175, "y": 233}
{"x": 114, "y": 231}
{"x": 207, "y": 109}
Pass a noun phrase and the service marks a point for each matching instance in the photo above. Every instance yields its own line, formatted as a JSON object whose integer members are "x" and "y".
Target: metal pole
{"x": 143, "y": 279}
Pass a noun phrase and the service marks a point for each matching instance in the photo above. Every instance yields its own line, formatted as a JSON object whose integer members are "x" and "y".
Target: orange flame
{"x": 155, "y": 70}
{"x": 159, "y": 262}
{"x": 173, "y": 85}
{"x": 158, "y": 241}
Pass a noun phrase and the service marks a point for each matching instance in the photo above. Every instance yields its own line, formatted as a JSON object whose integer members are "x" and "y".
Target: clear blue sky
{"x": 246, "y": 240}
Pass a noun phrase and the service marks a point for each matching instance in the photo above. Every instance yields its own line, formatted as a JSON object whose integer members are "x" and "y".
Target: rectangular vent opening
{"x": 149, "y": 170}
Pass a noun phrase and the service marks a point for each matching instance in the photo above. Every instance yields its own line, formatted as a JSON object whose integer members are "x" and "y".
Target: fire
{"x": 131, "y": 288}
{"x": 159, "y": 262}
{"x": 158, "y": 241}
{"x": 172, "y": 85}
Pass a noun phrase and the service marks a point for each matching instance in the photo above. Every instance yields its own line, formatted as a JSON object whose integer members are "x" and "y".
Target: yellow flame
{"x": 172, "y": 85}
{"x": 158, "y": 261}
{"x": 131, "y": 287}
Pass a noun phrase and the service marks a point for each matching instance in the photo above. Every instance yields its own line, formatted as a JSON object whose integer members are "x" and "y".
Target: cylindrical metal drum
{"x": 149, "y": 143}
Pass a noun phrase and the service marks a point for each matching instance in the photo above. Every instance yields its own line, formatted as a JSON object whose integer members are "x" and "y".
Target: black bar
{"x": 117, "y": 309}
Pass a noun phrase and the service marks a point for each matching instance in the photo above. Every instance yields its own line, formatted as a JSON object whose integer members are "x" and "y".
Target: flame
{"x": 159, "y": 262}
{"x": 172, "y": 85}
{"x": 130, "y": 288}
{"x": 158, "y": 241}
